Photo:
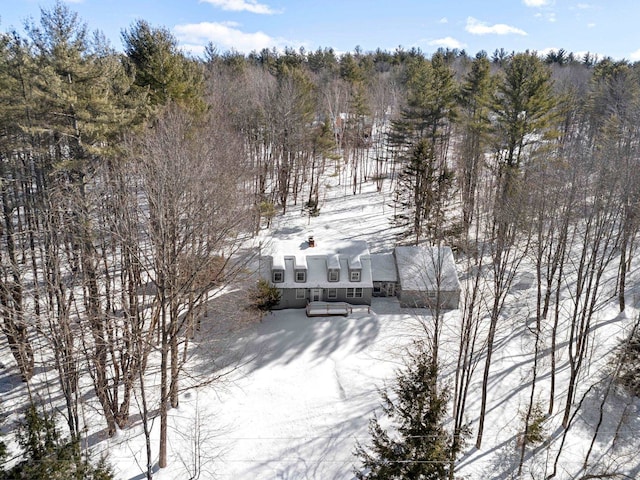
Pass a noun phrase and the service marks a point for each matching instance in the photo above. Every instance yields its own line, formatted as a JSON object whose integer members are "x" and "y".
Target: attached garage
{"x": 427, "y": 277}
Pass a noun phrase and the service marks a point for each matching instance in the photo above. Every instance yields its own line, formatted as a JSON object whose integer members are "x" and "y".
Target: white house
{"x": 310, "y": 271}
{"x": 345, "y": 271}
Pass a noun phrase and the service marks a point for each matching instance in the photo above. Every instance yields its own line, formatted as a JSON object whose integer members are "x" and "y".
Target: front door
{"x": 391, "y": 289}
{"x": 316, "y": 294}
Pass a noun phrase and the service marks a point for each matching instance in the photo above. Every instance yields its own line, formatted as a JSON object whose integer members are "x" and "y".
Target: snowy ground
{"x": 294, "y": 409}
{"x": 306, "y": 387}
{"x": 298, "y": 392}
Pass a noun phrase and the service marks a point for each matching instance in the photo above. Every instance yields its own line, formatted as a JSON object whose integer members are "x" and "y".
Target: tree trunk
{"x": 164, "y": 386}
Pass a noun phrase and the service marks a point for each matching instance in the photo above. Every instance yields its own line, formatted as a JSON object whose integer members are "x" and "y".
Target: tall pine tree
{"x": 416, "y": 445}
{"x": 160, "y": 68}
{"x": 474, "y": 102}
{"x": 422, "y": 135}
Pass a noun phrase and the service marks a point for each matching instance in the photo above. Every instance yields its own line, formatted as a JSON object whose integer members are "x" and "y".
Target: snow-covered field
{"x": 305, "y": 387}
{"x": 298, "y": 392}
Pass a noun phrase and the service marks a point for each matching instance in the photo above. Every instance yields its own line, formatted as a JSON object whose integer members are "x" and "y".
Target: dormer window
{"x": 334, "y": 275}
{"x": 277, "y": 276}
{"x": 354, "y": 275}
{"x": 301, "y": 276}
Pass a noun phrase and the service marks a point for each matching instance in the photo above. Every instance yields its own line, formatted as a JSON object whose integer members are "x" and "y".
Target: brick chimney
{"x": 311, "y": 241}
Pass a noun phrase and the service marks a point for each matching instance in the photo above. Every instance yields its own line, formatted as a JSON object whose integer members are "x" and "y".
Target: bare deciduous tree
{"x": 191, "y": 178}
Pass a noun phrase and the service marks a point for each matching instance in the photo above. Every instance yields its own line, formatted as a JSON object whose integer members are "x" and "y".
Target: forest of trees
{"x": 131, "y": 181}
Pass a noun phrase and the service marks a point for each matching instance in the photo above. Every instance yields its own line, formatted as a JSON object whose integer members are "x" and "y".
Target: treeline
{"x": 124, "y": 200}
{"x": 530, "y": 169}
{"x": 129, "y": 181}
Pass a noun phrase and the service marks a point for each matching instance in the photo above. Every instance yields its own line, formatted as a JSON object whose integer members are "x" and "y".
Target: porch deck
{"x": 323, "y": 309}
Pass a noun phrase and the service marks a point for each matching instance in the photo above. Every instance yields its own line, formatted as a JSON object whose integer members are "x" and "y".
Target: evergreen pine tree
{"x": 423, "y": 187}
{"x": 160, "y": 67}
{"x": 80, "y": 109}
{"x": 416, "y": 445}
{"x": 523, "y": 111}
{"x": 474, "y": 102}
{"x": 628, "y": 357}
{"x": 422, "y": 134}
{"x": 523, "y": 106}
{"x": 265, "y": 296}
{"x": 47, "y": 455}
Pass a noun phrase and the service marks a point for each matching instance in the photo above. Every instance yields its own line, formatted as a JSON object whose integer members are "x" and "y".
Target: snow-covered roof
{"x": 300, "y": 262}
{"x": 342, "y": 255}
{"x": 277, "y": 262}
{"x": 354, "y": 262}
{"x": 383, "y": 267}
{"x": 425, "y": 268}
{"x": 333, "y": 261}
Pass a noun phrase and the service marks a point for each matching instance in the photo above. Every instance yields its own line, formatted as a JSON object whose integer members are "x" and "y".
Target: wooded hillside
{"x": 131, "y": 183}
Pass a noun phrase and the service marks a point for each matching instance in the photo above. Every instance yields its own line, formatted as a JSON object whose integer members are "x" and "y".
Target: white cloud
{"x": 195, "y": 50}
{"x": 447, "y": 42}
{"x": 583, "y": 6}
{"x": 443, "y": 20}
{"x": 242, "y": 6}
{"x": 550, "y": 17}
{"x": 477, "y": 27}
{"x": 546, "y": 51}
{"x": 536, "y": 3}
{"x": 591, "y": 25}
{"x": 635, "y": 56}
{"x": 594, "y": 55}
{"x": 194, "y": 36}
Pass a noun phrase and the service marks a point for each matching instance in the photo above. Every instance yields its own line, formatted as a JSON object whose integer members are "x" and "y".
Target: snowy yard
{"x": 298, "y": 392}
{"x": 307, "y": 387}
{"x": 296, "y": 407}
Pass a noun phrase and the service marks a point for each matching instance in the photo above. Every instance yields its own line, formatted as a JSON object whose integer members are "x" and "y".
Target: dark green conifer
{"x": 422, "y": 135}
{"x": 416, "y": 445}
{"x": 47, "y": 455}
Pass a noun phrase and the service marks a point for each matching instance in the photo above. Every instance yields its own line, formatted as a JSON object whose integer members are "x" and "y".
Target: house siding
{"x": 418, "y": 299}
{"x": 288, "y": 298}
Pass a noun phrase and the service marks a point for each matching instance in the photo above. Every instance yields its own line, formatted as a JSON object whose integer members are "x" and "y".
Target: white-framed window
{"x": 432, "y": 295}
{"x": 354, "y": 292}
{"x": 354, "y": 275}
{"x": 334, "y": 275}
{"x": 301, "y": 276}
{"x": 301, "y": 293}
{"x": 278, "y": 276}
{"x": 332, "y": 293}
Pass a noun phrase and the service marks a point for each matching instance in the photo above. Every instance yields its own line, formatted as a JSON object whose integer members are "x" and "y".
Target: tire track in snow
{"x": 341, "y": 390}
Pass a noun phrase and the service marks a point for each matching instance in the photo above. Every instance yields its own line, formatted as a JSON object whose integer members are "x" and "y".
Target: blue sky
{"x": 602, "y": 27}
